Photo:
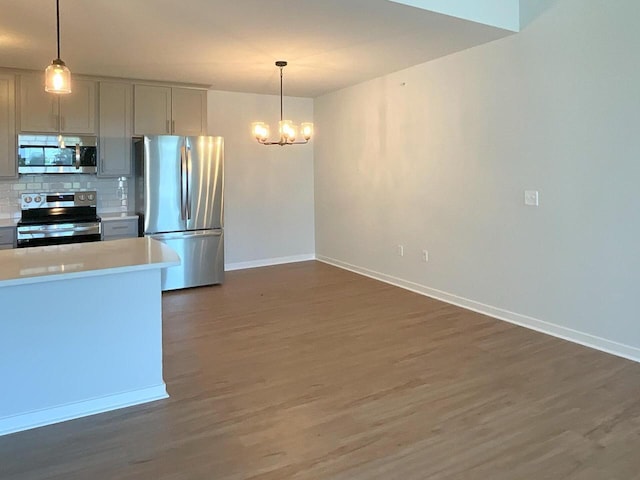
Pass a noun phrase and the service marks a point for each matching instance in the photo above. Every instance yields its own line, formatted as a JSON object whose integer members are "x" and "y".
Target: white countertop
{"x": 107, "y": 217}
{"x": 44, "y": 264}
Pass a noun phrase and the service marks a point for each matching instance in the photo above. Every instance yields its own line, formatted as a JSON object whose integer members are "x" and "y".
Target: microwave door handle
{"x": 77, "y": 156}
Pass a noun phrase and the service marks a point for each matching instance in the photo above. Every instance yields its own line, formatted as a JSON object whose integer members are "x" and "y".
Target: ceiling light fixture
{"x": 57, "y": 75}
{"x": 288, "y": 131}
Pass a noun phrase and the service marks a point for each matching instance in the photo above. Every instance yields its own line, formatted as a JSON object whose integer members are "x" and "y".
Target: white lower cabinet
{"x": 7, "y": 237}
{"x": 117, "y": 228}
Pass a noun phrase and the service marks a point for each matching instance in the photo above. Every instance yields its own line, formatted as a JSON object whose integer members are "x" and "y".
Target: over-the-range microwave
{"x": 57, "y": 154}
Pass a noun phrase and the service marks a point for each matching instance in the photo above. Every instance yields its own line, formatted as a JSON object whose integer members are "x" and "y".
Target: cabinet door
{"x": 152, "y": 110}
{"x": 7, "y": 237}
{"x": 115, "y": 129}
{"x": 78, "y": 109}
{"x": 8, "y": 166}
{"x": 189, "y": 111}
{"x": 38, "y": 109}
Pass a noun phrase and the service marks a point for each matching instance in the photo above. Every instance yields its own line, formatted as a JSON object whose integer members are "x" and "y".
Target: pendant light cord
{"x": 58, "y": 24}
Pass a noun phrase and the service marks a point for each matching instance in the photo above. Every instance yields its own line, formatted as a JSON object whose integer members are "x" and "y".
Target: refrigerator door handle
{"x": 174, "y": 235}
{"x": 188, "y": 186}
{"x": 183, "y": 176}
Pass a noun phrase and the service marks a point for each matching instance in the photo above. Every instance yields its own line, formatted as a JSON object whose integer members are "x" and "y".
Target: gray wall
{"x": 438, "y": 156}
{"x": 269, "y": 215}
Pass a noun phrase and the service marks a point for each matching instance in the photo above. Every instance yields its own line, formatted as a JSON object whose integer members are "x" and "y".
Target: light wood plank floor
{"x": 308, "y": 372}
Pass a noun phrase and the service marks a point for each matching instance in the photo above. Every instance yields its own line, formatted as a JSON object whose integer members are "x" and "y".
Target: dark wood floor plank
{"x": 306, "y": 371}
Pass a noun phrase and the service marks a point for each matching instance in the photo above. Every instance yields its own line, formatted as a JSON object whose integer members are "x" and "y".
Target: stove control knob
{"x": 91, "y": 197}
{"x": 81, "y": 197}
{"x": 38, "y": 199}
{"x": 27, "y": 199}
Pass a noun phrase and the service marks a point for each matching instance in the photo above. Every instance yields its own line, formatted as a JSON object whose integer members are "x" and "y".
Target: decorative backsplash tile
{"x": 113, "y": 193}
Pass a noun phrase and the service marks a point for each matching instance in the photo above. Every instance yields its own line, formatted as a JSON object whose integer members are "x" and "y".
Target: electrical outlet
{"x": 425, "y": 256}
{"x": 531, "y": 198}
{"x": 400, "y": 251}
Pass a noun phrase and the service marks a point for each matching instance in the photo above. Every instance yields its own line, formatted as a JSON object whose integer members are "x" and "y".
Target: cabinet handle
{"x": 173, "y": 126}
{"x": 167, "y": 129}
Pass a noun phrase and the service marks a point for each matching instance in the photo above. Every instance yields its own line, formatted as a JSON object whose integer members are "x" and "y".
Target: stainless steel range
{"x": 58, "y": 218}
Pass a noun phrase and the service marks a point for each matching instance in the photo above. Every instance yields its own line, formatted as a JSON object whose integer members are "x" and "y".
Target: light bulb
{"x": 306, "y": 130}
{"x": 57, "y": 78}
{"x": 286, "y": 130}
{"x": 260, "y": 131}
{"x": 293, "y": 133}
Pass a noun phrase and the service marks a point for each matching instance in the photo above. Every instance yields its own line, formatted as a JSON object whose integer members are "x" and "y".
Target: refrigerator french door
{"x": 182, "y": 204}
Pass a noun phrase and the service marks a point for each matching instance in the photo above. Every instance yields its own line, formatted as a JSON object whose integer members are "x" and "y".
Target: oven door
{"x": 58, "y": 234}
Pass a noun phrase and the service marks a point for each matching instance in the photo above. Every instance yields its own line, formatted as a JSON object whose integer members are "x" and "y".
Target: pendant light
{"x": 57, "y": 75}
{"x": 288, "y": 131}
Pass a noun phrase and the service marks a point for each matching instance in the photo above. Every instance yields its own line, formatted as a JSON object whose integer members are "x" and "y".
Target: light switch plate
{"x": 531, "y": 198}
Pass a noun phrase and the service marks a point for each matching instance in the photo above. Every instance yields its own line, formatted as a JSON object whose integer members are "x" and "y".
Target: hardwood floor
{"x": 306, "y": 371}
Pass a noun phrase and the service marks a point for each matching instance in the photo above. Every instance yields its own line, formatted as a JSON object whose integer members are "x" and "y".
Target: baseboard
{"x": 62, "y": 413}
{"x": 575, "y": 336}
{"x": 269, "y": 261}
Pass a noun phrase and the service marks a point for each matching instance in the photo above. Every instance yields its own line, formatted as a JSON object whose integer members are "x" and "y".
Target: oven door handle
{"x": 62, "y": 230}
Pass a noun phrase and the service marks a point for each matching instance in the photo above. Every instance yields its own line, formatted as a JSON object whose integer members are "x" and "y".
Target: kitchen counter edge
{"x": 25, "y": 266}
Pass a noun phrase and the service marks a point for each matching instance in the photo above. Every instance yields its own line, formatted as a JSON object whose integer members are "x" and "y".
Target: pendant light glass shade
{"x": 57, "y": 78}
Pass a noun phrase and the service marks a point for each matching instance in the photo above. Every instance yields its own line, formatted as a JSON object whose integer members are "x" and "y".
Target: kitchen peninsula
{"x": 80, "y": 329}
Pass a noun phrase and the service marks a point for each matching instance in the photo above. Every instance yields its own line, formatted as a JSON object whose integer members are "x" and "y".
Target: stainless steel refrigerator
{"x": 179, "y": 198}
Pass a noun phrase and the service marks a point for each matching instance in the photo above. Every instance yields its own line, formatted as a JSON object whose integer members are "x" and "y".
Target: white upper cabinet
{"x": 44, "y": 112}
{"x": 152, "y": 110}
{"x": 78, "y": 109}
{"x": 116, "y": 129}
{"x": 169, "y": 110}
{"x": 8, "y": 165}
{"x": 38, "y": 109}
{"x": 189, "y": 111}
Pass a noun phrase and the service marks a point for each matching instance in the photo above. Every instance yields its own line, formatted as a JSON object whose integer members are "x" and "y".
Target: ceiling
{"x": 232, "y": 45}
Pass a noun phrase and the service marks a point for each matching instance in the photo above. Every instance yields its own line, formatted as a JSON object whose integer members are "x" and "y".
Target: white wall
{"x": 441, "y": 163}
{"x": 269, "y": 215}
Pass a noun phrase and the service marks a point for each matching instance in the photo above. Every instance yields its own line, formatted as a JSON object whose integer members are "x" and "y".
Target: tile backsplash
{"x": 113, "y": 193}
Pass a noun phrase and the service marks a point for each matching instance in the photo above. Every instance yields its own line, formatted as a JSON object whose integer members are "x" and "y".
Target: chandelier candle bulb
{"x": 260, "y": 131}
{"x": 306, "y": 130}
{"x": 288, "y": 131}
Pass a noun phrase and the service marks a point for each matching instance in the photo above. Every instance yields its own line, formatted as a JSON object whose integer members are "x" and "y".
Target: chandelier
{"x": 288, "y": 131}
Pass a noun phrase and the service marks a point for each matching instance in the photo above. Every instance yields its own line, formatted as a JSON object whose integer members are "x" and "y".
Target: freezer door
{"x": 202, "y": 256}
{"x": 164, "y": 184}
{"x": 205, "y": 156}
